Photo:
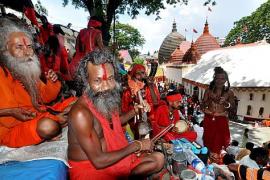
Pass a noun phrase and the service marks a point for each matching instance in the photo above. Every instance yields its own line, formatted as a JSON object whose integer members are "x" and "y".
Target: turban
{"x": 94, "y": 23}
{"x": 136, "y": 68}
{"x": 174, "y": 97}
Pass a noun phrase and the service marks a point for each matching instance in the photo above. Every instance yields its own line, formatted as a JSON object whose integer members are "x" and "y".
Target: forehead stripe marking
{"x": 104, "y": 77}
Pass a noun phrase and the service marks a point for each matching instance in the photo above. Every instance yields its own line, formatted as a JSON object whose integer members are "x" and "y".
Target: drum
{"x": 181, "y": 126}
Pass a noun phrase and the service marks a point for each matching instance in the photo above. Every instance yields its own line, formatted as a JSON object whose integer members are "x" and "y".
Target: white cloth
{"x": 234, "y": 150}
{"x": 199, "y": 130}
{"x": 249, "y": 162}
{"x": 46, "y": 150}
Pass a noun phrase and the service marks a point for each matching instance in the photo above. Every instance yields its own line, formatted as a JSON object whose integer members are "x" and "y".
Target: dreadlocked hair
{"x": 220, "y": 70}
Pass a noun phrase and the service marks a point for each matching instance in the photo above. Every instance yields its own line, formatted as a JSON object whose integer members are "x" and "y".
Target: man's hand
{"x": 22, "y": 114}
{"x": 51, "y": 75}
{"x": 144, "y": 106}
{"x": 144, "y": 145}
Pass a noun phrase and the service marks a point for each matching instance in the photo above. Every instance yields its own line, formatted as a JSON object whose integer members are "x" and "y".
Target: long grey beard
{"x": 27, "y": 71}
{"x": 106, "y": 102}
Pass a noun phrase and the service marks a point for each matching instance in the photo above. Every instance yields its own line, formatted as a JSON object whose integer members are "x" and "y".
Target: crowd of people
{"x": 111, "y": 119}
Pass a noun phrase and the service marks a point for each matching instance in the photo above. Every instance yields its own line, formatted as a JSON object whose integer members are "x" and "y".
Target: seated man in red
{"x": 166, "y": 114}
{"x": 23, "y": 117}
{"x": 97, "y": 147}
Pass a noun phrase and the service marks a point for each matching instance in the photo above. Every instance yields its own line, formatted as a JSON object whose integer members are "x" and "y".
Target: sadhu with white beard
{"x": 23, "y": 117}
{"x": 97, "y": 145}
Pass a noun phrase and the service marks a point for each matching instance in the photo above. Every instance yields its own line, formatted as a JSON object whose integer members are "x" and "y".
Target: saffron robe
{"x": 15, "y": 133}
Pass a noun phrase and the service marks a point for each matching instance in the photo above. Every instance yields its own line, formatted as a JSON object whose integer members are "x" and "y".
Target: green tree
{"x": 131, "y": 7}
{"x": 41, "y": 9}
{"x": 251, "y": 28}
{"x": 128, "y": 38}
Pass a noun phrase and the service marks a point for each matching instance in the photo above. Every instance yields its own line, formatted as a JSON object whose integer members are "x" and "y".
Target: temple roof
{"x": 246, "y": 65}
{"x": 192, "y": 55}
{"x": 206, "y": 41}
{"x": 179, "y": 52}
{"x": 169, "y": 44}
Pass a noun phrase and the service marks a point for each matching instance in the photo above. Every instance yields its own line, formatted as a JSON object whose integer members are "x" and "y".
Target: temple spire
{"x": 174, "y": 29}
{"x": 206, "y": 28}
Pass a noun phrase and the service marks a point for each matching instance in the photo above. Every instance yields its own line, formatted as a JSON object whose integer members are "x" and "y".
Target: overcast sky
{"x": 220, "y": 20}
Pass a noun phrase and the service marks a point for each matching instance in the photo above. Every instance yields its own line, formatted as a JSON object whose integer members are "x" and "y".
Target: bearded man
{"x": 23, "y": 120}
{"x": 168, "y": 113}
{"x": 149, "y": 92}
{"x": 97, "y": 147}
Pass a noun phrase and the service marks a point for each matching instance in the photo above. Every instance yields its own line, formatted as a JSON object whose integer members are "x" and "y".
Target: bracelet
{"x": 141, "y": 146}
{"x": 229, "y": 105}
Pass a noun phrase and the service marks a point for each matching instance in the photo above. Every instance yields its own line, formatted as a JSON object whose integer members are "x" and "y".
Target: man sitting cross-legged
{"x": 24, "y": 119}
{"x": 97, "y": 145}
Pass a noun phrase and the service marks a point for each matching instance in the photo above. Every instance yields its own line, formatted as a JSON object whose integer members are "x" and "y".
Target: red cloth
{"x": 126, "y": 101}
{"x": 162, "y": 120}
{"x": 94, "y": 23}
{"x": 45, "y": 32}
{"x": 149, "y": 99}
{"x": 31, "y": 15}
{"x": 136, "y": 68}
{"x": 175, "y": 97}
{"x": 51, "y": 62}
{"x": 115, "y": 140}
{"x": 216, "y": 133}
{"x": 85, "y": 43}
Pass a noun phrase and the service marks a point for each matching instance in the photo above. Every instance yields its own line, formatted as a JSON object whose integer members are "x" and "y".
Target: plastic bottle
{"x": 208, "y": 173}
{"x": 128, "y": 137}
{"x": 179, "y": 159}
{"x": 195, "y": 162}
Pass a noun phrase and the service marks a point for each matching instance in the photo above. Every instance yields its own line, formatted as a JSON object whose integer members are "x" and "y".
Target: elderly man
{"x": 23, "y": 120}
{"x": 97, "y": 147}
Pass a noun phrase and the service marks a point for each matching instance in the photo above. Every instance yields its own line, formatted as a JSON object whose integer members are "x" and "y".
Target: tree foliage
{"x": 129, "y": 38}
{"x": 251, "y": 28}
{"x": 41, "y": 9}
{"x": 131, "y": 7}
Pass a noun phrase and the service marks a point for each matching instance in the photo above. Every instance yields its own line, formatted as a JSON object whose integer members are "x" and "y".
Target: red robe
{"x": 162, "y": 120}
{"x": 115, "y": 140}
{"x": 216, "y": 133}
{"x": 85, "y": 43}
{"x": 45, "y": 32}
{"x": 58, "y": 63}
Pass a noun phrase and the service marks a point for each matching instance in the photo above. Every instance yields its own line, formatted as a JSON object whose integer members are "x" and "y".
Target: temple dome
{"x": 192, "y": 55}
{"x": 169, "y": 44}
{"x": 206, "y": 42}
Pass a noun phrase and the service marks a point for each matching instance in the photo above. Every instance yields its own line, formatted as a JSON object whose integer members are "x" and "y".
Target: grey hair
{"x": 8, "y": 26}
{"x": 95, "y": 57}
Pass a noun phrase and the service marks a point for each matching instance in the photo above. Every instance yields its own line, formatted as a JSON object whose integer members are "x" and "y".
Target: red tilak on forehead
{"x": 104, "y": 77}
{"x": 24, "y": 41}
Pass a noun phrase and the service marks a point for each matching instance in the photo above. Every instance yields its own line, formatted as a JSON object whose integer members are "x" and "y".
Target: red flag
{"x": 209, "y": 9}
{"x": 195, "y": 31}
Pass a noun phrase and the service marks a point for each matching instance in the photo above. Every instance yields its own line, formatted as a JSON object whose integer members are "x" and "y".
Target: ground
{"x": 257, "y": 135}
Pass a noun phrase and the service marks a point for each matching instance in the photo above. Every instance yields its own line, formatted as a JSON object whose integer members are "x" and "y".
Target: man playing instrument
{"x": 97, "y": 147}
{"x": 167, "y": 113}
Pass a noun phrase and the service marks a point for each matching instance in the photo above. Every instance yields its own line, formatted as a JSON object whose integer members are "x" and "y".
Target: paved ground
{"x": 257, "y": 135}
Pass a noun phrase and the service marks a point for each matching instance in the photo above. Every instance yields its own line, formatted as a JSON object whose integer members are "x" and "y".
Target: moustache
{"x": 104, "y": 94}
